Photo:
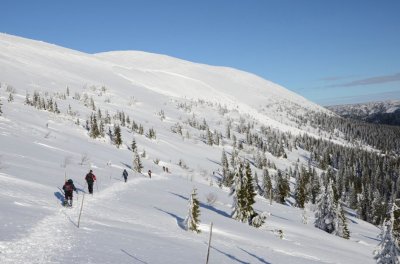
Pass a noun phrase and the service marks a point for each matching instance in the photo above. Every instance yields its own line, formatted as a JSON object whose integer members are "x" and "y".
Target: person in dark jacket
{"x": 68, "y": 188}
{"x": 149, "y": 172}
{"x": 125, "y": 175}
{"x": 90, "y": 178}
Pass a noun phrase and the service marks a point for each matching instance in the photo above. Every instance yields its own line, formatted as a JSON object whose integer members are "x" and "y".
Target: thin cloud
{"x": 335, "y": 78}
{"x": 371, "y": 97}
{"x": 369, "y": 81}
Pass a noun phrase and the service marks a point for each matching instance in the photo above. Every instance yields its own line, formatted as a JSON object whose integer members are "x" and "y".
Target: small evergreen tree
{"x": 192, "y": 219}
{"x": 226, "y": 175}
{"x": 238, "y": 195}
{"x": 267, "y": 185}
{"x": 283, "y": 187}
{"x": 329, "y": 215}
{"x": 10, "y": 98}
{"x": 341, "y": 228}
{"x": 300, "y": 192}
{"x": 140, "y": 130}
{"x": 133, "y": 145}
{"x": 388, "y": 249}
{"x": 117, "y": 136}
{"x": 250, "y": 192}
{"x": 94, "y": 130}
{"x": 210, "y": 140}
{"x": 137, "y": 163}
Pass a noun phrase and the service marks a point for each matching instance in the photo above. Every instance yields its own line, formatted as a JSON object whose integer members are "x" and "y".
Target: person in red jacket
{"x": 68, "y": 188}
{"x": 90, "y": 178}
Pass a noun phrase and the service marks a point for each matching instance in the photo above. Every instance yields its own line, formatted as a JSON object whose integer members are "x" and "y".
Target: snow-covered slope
{"x": 141, "y": 221}
{"x": 32, "y": 65}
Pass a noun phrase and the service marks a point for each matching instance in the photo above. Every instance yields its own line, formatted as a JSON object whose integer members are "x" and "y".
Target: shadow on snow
{"x": 135, "y": 258}
{"x": 206, "y": 206}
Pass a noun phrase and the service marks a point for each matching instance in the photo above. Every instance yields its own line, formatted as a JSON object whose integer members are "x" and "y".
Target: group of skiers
{"x": 69, "y": 187}
{"x": 90, "y": 178}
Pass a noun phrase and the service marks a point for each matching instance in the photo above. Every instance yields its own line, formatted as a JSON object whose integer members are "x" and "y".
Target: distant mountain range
{"x": 386, "y": 112}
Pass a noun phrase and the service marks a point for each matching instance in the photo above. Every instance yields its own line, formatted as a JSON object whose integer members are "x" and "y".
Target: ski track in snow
{"x": 55, "y": 235}
{"x": 45, "y": 242}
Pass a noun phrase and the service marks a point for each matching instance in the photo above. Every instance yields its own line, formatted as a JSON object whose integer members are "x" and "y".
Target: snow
{"x": 140, "y": 221}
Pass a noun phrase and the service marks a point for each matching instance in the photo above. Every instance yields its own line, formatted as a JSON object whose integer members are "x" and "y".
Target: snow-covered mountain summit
{"x": 30, "y": 65}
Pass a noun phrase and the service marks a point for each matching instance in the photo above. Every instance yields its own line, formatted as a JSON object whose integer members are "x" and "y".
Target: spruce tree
{"x": 340, "y": 223}
{"x": 137, "y": 163}
{"x": 267, "y": 185}
{"x": 133, "y": 145}
{"x": 283, "y": 187}
{"x": 238, "y": 195}
{"x": 209, "y": 137}
{"x": 192, "y": 219}
{"x": 250, "y": 193}
{"x": 94, "y": 130}
{"x": 300, "y": 192}
{"x": 117, "y": 136}
{"x": 388, "y": 249}
{"x": 10, "y": 98}
{"x": 326, "y": 213}
{"x": 226, "y": 175}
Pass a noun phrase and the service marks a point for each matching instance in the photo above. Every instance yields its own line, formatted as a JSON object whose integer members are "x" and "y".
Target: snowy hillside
{"x": 50, "y": 96}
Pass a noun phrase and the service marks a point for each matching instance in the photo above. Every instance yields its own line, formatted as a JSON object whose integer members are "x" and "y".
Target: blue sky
{"x": 331, "y": 52}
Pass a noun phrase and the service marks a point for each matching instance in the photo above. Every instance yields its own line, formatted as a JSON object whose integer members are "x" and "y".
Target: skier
{"x": 125, "y": 175}
{"x": 149, "y": 172}
{"x": 68, "y": 188}
{"x": 90, "y": 178}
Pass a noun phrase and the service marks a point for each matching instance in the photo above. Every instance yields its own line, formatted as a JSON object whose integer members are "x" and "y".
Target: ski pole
{"x": 79, "y": 219}
{"x": 209, "y": 243}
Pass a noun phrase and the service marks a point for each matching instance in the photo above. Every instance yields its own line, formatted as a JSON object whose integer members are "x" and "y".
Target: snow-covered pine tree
{"x": 192, "y": 219}
{"x": 377, "y": 208}
{"x": 282, "y": 187}
{"x": 133, "y": 145}
{"x": 258, "y": 188}
{"x": 226, "y": 179}
{"x": 315, "y": 187}
{"x": 267, "y": 185}
{"x": 210, "y": 140}
{"x": 10, "y": 98}
{"x": 137, "y": 163}
{"x": 1, "y": 111}
{"x": 92, "y": 105}
{"x": 340, "y": 224}
{"x": 27, "y": 100}
{"x": 250, "y": 193}
{"x": 326, "y": 207}
{"x": 238, "y": 195}
{"x": 117, "y": 136}
{"x": 140, "y": 130}
{"x": 94, "y": 129}
{"x": 388, "y": 251}
{"x": 300, "y": 192}
{"x": 101, "y": 128}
